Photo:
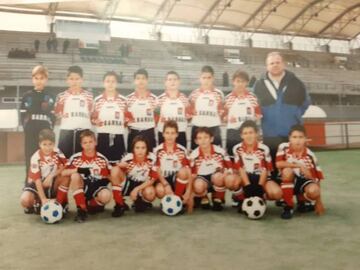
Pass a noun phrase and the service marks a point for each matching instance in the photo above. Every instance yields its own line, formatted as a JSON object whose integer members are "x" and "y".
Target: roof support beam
{"x": 162, "y": 14}
{"x": 109, "y": 10}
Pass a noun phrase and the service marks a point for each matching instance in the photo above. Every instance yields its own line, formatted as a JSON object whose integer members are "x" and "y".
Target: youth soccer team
{"x": 93, "y": 157}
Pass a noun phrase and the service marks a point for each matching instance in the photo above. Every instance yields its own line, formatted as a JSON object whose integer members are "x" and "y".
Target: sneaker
{"x": 280, "y": 203}
{"x": 287, "y": 213}
{"x": 217, "y": 205}
{"x": 29, "y": 211}
{"x": 205, "y": 203}
{"x": 139, "y": 205}
{"x": 119, "y": 210}
{"x": 81, "y": 215}
{"x": 197, "y": 202}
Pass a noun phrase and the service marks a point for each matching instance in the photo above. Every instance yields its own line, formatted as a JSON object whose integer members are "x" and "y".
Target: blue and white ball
{"x": 254, "y": 207}
{"x": 171, "y": 205}
{"x": 51, "y": 212}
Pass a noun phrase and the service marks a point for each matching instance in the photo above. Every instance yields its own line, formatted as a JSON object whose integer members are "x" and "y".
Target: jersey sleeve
{"x": 280, "y": 154}
{"x": 267, "y": 160}
{"x": 34, "y": 170}
{"x": 59, "y": 105}
{"x": 317, "y": 172}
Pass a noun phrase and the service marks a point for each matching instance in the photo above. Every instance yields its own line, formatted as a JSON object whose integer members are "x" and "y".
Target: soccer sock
{"x": 94, "y": 203}
{"x": 288, "y": 193}
{"x": 239, "y": 195}
{"x": 300, "y": 198}
{"x": 117, "y": 194}
{"x": 80, "y": 200}
{"x": 180, "y": 186}
{"x": 61, "y": 195}
{"x": 219, "y": 193}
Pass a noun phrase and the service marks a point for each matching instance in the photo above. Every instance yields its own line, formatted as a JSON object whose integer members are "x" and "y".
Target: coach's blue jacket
{"x": 284, "y": 107}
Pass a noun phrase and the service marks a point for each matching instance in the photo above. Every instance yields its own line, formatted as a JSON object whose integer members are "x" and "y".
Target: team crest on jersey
{"x": 180, "y": 111}
{"x": 256, "y": 166}
{"x": 148, "y": 112}
{"x": 96, "y": 171}
{"x": 117, "y": 115}
{"x": 82, "y": 103}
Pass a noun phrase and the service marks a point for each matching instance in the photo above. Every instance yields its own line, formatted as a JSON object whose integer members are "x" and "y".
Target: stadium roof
{"x": 334, "y": 19}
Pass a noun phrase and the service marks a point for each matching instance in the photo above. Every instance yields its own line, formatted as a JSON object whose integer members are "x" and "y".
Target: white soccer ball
{"x": 171, "y": 205}
{"x": 254, "y": 207}
{"x": 51, "y": 212}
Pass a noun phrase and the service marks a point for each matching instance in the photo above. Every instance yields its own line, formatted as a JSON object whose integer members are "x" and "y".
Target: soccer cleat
{"x": 280, "y": 203}
{"x": 81, "y": 215}
{"x": 139, "y": 205}
{"x": 240, "y": 211}
{"x": 65, "y": 209}
{"x": 29, "y": 211}
{"x": 304, "y": 207}
{"x": 197, "y": 202}
{"x": 287, "y": 213}
{"x": 217, "y": 205}
{"x": 148, "y": 204}
{"x": 205, "y": 203}
{"x": 37, "y": 208}
{"x": 235, "y": 202}
{"x": 119, "y": 210}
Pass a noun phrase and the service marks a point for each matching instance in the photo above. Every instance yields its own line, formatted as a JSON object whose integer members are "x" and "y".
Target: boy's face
{"x": 170, "y": 135}
{"x": 74, "y": 80}
{"x": 297, "y": 140}
{"x": 140, "y": 149}
{"x": 39, "y": 81}
{"x": 88, "y": 144}
{"x": 47, "y": 147}
{"x": 110, "y": 83}
{"x": 249, "y": 136}
{"x": 240, "y": 83}
{"x": 204, "y": 140}
{"x": 206, "y": 80}
{"x": 140, "y": 81}
{"x": 172, "y": 82}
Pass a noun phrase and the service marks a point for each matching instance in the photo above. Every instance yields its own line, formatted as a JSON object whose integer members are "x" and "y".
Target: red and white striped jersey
{"x": 307, "y": 159}
{"x": 43, "y": 165}
{"x": 253, "y": 161}
{"x": 238, "y": 109}
{"x": 205, "y": 165}
{"x": 140, "y": 171}
{"x": 206, "y": 107}
{"x": 99, "y": 166}
{"x": 74, "y": 110}
{"x": 141, "y": 111}
{"x": 176, "y": 109}
{"x": 170, "y": 161}
{"x": 110, "y": 111}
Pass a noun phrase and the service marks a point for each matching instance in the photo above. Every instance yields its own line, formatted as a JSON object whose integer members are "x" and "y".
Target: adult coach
{"x": 283, "y": 99}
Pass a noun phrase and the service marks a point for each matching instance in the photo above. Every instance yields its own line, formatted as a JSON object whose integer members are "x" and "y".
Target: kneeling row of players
{"x": 144, "y": 176}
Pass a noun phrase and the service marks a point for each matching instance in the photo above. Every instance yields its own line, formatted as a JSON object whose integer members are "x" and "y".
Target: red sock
{"x": 180, "y": 186}
{"x": 300, "y": 198}
{"x": 61, "y": 195}
{"x": 94, "y": 203}
{"x": 117, "y": 194}
{"x": 219, "y": 193}
{"x": 239, "y": 195}
{"x": 80, "y": 200}
{"x": 288, "y": 193}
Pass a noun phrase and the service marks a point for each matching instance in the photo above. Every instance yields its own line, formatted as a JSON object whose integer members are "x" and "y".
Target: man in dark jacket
{"x": 283, "y": 99}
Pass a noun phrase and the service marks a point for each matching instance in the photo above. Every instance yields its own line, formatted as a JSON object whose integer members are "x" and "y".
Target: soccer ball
{"x": 254, "y": 207}
{"x": 51, "y": 212}
{"x": 171, "y": 205}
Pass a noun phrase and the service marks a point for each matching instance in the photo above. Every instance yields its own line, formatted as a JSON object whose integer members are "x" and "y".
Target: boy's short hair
{"x": 40, "y": 70}
{"x": 249, "y": 124}
{"x": 299, "y": 128}
{"x": 171, "y": 124}
{"x": 140, "y": 138}
{"x": 141, "y": 71}
{"x": 75, "y": 69}
{"x": 111, "y": 73}
{"x": 208, "y": 69}
{"x": 87, "y": 133}
{"x": 203, "y": 130}
{"x": 46, "y": 135}
{"x": 171, "y": 72}
{"x": 243, "y": 75}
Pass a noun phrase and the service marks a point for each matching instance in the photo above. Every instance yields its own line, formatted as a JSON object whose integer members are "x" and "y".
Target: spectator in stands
{"x": 54, "y": 44}
{"x": 283, "y": 99}
{"x": 66, "y": 45}
{"x": 48, "y": 44}
{"x": 37, "y": 45}
{"x": 225, "y": 79}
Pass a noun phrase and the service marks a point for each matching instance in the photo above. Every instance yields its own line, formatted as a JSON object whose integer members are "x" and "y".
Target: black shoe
{"x": 29, "y": 211}
{"x": 280, "y": 203}
{"x": 205, "y": 203}
{"x": 65, "y": 210}
{"x": 217, "y": 205}
{"x": 81, "y": 215}
{"x": 148, "y": 204}
{"x": 287, "y": 213}
{"x": 140, "y": 205}
{"x": 126, "y": 207}
{"x": 197, "y": 202}
{"x": 119, "y": 210}
{"x": 240, "y": 207}
{"x": 93, "y": 210}
{"x": 305, "y": 207}
{"x": 37, "y": 208}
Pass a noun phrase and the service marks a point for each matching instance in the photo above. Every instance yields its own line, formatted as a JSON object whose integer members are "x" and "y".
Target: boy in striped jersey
{"x": 172, "y": 165}
{"x": 300, "y": 173}
{"x": 73, "y": 109}
{"x": 240, "y": 105}
{"x": 109, "y": 119}
{"x": 141, "y": 105}
{"x": 210, "y": 165}
{"x": 206, "y": 106}
{"x": 173, "y": 106}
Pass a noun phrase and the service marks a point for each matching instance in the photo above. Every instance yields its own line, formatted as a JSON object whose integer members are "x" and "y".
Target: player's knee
{"x": 160, "y": 191}
{"x": 273, "y": 192}
{"x": 287, "y": 175}
{"x": 104, "y": 196}
{"x": 199, "y": 187}
{"x": 218, "y": 179}
{"x": 149, "y": 194}
{"x": 27, "y": 199}
{"x": 312, "y": 191}
{"x": 229, "y": 181}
